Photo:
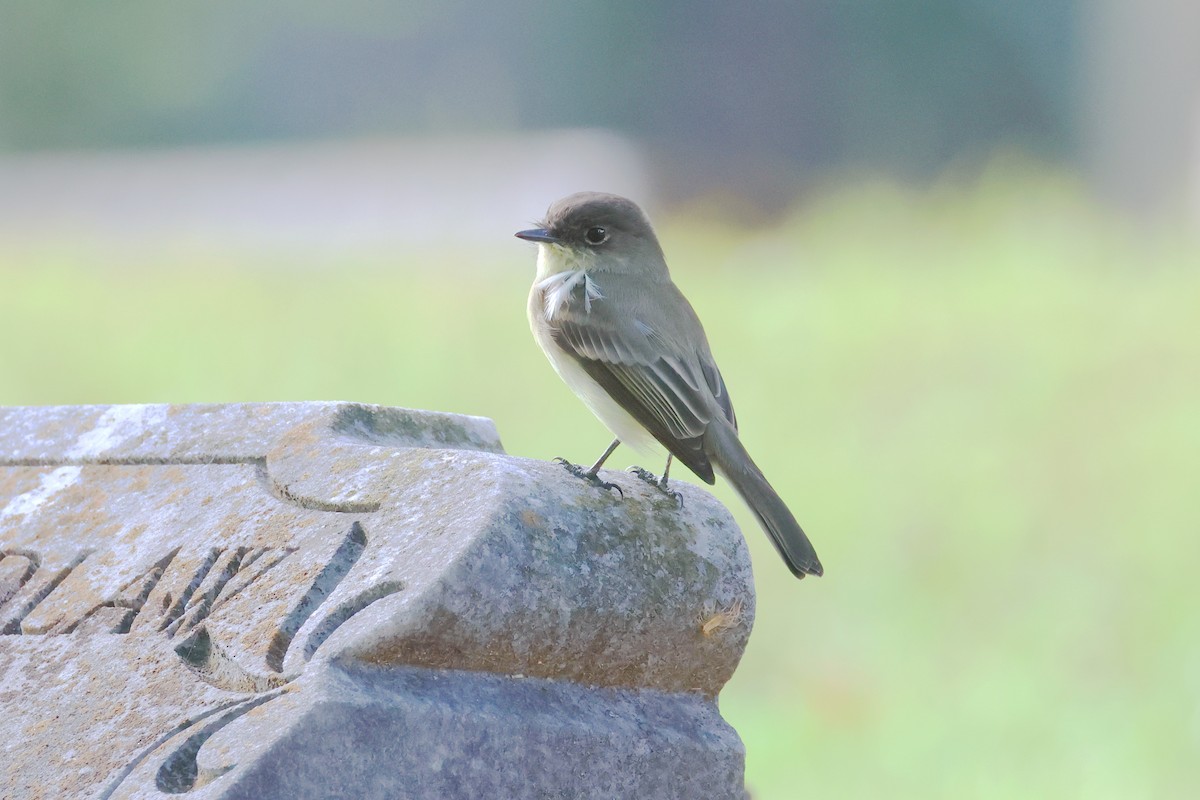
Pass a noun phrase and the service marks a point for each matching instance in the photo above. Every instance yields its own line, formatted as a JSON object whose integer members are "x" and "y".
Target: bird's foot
{"x": 589, "y": 476}
{"x": 658, "y": 483}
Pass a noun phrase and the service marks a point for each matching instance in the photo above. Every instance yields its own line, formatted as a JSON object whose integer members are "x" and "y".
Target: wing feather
{"x": 716, "y": 384}
{"x": 662, "y": 392}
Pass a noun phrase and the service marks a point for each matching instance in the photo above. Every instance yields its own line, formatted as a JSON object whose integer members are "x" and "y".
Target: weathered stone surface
{"x": 319, "y": 600}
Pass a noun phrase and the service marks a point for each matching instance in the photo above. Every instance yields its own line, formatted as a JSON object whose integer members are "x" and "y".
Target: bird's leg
{"x": 662, "y": 484}
{"x": 657, "y": 482}
{"x": 592, "y": 474}
{"x": 595, "y": 468}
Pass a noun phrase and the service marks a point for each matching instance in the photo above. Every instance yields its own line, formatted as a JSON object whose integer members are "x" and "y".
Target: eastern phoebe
{"x": 624, "y": 338}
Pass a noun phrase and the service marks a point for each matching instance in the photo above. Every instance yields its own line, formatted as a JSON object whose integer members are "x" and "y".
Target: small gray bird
{"x": 626, "y": 341}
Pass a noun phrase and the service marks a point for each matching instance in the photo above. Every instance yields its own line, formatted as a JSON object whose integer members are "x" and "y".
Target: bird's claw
{"x": 643, "y": 475}
{"x": 589, "y": 476}
{"x": 649, "y": 477}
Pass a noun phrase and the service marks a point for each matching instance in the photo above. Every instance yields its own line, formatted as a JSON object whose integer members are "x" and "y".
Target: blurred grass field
{"x": 980, "y": 400}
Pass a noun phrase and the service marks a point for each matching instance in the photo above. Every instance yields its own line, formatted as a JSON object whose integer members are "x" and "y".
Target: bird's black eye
{"x": 596, "y": 235}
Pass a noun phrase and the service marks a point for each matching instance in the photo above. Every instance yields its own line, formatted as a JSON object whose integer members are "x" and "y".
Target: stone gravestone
{"x": 328, "y": 600}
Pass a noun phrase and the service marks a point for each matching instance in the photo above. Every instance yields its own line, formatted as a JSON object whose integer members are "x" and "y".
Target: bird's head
{"x": 597, "y": 232}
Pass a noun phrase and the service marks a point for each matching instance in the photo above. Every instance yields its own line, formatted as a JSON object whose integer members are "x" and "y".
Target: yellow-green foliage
{"x": 982, "y": 404}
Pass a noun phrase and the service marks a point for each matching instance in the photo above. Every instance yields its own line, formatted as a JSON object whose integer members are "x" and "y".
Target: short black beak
{"x": 537, "y": 235}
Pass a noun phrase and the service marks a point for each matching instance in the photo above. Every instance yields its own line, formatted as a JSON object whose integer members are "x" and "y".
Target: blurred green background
{"x": 972, "y": 369}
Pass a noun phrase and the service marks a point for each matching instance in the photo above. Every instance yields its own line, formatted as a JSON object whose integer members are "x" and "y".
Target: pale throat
{"x": 553, "y": 259}
{"x": 560, "y": 271}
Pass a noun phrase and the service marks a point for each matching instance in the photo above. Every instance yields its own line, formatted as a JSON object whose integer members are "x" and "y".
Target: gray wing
{"x": 716, "y": 384}
{"x": 668, "y": 392}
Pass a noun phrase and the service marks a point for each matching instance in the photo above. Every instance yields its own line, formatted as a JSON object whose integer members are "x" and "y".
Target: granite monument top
{"x": 277, "y": 600}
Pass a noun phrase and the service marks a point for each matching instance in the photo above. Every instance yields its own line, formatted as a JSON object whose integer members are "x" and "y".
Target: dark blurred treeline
{"x": 768, "y": 94}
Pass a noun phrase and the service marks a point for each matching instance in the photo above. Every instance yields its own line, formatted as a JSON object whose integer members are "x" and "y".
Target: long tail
{"x": 723, "y": 447}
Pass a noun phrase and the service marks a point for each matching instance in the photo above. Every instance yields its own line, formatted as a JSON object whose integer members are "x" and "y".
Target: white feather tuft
{"x": 591, "y": 291}
{"x": 556, "y": 291}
